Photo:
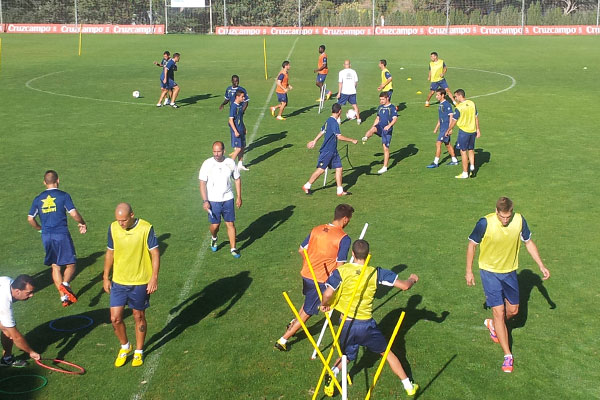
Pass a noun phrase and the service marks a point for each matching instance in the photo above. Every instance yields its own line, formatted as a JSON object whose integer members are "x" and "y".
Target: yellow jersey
{"x": 385, "y": 75}
{"x": 499, "y": 248}
{"x": 132, "y": 262}
{"x": 467, "y": 114}
{"x": 437, "y": 69}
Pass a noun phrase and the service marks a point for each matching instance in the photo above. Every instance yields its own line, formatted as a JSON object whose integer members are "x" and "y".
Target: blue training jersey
{"x": 444, "y": 112}
{"x": 236, "y": 111}
{"x": 230, "y": 93}
{"x": 331, "y": 131}
{"x": 386, "y": 114}
{"x": 171, "y": 68}
{"x": 52, "y": 206}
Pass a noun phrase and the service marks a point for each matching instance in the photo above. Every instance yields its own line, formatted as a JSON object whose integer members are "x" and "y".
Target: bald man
{"x": 347, "y": 82}
{"x": 132, "y": 255}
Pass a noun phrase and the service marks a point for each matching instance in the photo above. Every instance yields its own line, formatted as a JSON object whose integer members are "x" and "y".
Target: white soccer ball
{"x": 351, "y": 114}
{"x": 136, "y": 94}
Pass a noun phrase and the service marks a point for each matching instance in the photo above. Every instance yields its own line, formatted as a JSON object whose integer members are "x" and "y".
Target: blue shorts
{"x": 311, "y": 297}
{"x": 442, "y": 135}
{"x": 321, "y": 77}
{"x": 329, "y": 160}
{"x": 224, "y": 208}
{"x": 282, "y": 98}
{"x": 498, "y": 287}
{"x": 350, "y": 98}
{"x": 135, "y": 296}
{"x": 59, "y": 249}
{"x": 465, "y": 141}
{"x": 169, "y": 85}
{"x": 390, "y": 93}
{"x": 238, "y": 142}
{"x": 386, "y": 136}
{"x": 439, "y": 85}
{"x": 362, "y": 333}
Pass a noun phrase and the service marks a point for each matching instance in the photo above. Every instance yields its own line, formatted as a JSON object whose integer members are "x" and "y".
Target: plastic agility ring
{"x": 85, "y": 317}
{"x": 43, "y": 379}
{"x": 79, "y": 370}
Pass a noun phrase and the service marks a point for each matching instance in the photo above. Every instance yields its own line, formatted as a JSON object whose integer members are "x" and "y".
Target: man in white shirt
{"x": 217, "y": 196}
{"x": 347, "y": 81}
{"x": 10, "y": 291}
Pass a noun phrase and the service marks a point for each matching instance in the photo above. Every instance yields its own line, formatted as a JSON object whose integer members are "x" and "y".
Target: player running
{"x": 437, "y": 74}
{"x": 383, "y": 127}
{"x": 283, "y": 86}
{"x": 322, "y": 71}
{"x": 328, "y": 153}
{"x": 237, "y": 128}
{"x": 444, "y": 114}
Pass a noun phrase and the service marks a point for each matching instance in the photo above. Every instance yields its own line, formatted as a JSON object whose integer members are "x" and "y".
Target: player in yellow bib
{"x": 386, "y": 80}
{"x": 133, "y": 256}
{"x": 360, "y": 329}
{"x": 499, "y": 235}
{"x": 466, "y": 118}
{"x": 437, "y": 77}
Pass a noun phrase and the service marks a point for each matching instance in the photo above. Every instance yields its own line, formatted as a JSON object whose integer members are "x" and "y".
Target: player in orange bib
{"x": 327, "y": 247}
{"x": 322, "y": 71}
{"x": 283, "y": 86}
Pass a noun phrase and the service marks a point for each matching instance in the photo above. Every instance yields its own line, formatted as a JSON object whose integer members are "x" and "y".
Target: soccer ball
{"x": 351, "y": 114}
{"x": 136, "y": 94}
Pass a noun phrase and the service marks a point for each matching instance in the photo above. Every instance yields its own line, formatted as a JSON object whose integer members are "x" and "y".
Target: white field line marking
{"x": 29, "y": 82}
{"x": 264, "y": 109}
{"x": 512, "y": 84}
{"x": 151, "y": 363}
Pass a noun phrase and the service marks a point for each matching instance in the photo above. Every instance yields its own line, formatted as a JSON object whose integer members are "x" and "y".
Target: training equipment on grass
{"x": 80, "y": 38}
{"x": 312, "y": 341}
{"x": 383, "y": 359}
{"x": 77, "y": 369}
{"x": 53, "y": 323}
{"x": 265, "y": 56}
{"x": 322, "y": 97}
{"x": 136, "y": 94}
{"x": 351, "y": 114}
{"x": 314, "y": 354}
{"x": 43, "y": 379}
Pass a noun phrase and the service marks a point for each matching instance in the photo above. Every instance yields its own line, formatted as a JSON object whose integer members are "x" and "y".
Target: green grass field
{"x": 214, "y": 319}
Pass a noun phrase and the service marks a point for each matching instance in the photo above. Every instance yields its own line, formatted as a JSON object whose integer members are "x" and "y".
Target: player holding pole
{"x": 360, "y": 329}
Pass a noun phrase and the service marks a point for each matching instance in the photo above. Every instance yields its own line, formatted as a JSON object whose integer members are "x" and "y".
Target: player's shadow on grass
{"x": 527, "y": 281}
{"x": 43, "y": 279}
{"x": 386, "y": 325}
{"x": 481, "y": 157}
{"x": 223, "y": 292}
{"x": 58, "y": 344}
{"x": 265, "y": 140}
{"x": 401, "y": 106}
{"x": 268, "y": 154}
{"x": 353, "y": 174}
{"x": 162, "y": 245}
{"x": 188, "y": 101}
{"x": 401, "y": 154}
{"x": 301, "y": 110}
{"x": 264, "y": 224}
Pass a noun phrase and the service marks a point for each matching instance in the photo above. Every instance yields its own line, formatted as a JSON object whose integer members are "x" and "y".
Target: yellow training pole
{"x": 310, "y": 338}
{"x": 265, "y": 56}
{"x": 384, "y": 359}
{"x": 331, "y": 328}
{"x": 80, "y": 32}
{"x": 344, "y": 317}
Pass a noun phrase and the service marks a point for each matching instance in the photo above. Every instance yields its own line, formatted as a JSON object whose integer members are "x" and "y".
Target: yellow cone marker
{"x": 419, "y": 92}
{"x": 409, "y": 79}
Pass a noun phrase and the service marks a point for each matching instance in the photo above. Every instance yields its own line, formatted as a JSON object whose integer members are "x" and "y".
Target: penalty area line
{"x": 152, "y": 362}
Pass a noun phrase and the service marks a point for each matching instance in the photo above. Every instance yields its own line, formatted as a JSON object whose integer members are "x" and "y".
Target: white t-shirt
{"x": 6, "y": 314}
{"x": 217, "y": 176}
{"x": 348, "y": 78}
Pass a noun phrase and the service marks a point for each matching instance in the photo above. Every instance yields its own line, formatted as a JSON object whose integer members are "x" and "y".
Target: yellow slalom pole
{"x": 344, "y": 317}
{"x": 80, "y": 33}
{"x": 310, "y": 338}
{"x": 265, "y": 56}
{"x": 384, "y": 359}
{"x": 329, "y": 323}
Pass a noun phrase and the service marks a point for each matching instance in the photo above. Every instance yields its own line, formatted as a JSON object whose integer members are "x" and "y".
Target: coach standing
{"x": 132, "y": 253}
{"x": 217, "y": 196}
